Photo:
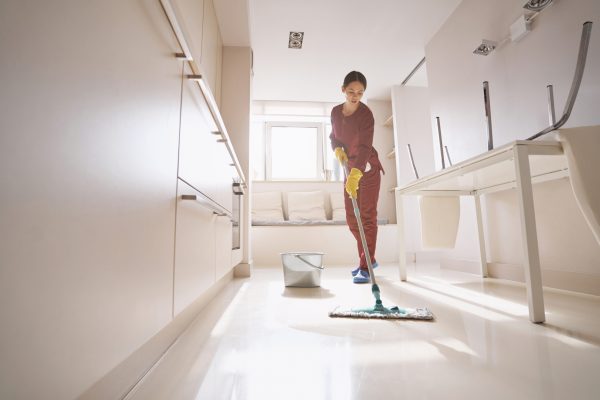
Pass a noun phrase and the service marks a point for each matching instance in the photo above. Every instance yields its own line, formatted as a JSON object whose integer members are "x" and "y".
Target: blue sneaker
{"x": 362, "y": 277}
{"x": 354, "y": 272}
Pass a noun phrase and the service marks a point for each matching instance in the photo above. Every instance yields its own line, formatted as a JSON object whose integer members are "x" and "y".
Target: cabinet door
{"x": 236, "y": 231}
{"x": 194, "y": 248}
{"x": 190, "y": 14}
{"x": 198, "y": 145}
{"x": 204, "y": 162}
{"x": 210, "y": 45}
{"x": 90, "y": 98}
{"x": 224, "y": 176}
{"x": 223, "y": 246}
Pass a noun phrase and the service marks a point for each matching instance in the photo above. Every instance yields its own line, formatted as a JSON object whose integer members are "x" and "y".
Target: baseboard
{"x": 427, "y": 256}
{"x": 468, "y": 266}
{"x": 564, "y": 280}
{"x": 122, "y": 379}
{"x": 243, "y": 270}
{"x": 511, "y": 272}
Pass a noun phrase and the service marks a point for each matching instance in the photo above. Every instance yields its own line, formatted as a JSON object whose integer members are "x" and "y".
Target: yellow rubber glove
{"x": 352, "y": 182}
{"x": 340, "y": 154}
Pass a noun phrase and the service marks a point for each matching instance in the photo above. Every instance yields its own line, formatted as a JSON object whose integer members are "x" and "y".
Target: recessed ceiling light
{"x": 485, "y": 48}
{"x": 295, "y": 41}
{"x": 537, "y": 5}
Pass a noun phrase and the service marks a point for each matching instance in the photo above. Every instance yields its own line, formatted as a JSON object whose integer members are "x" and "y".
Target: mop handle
{"x": 362, "y": 232}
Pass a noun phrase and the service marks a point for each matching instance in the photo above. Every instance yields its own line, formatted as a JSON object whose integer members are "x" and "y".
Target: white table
{"x": 517, "y": 164}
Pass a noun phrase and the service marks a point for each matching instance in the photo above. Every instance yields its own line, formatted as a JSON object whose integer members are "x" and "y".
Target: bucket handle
{"x": 298, "y": 256}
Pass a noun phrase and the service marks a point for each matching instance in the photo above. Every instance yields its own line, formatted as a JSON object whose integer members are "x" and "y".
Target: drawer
{"x": 195, "y": 242}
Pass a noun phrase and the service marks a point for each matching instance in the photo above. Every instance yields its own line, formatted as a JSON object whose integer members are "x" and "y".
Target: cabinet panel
{"x": 236, "y": 231}
{"x": 194, "y": 248}
{"x": 219, "y": 83}
{"x": 224, "y": 175}
{"x": 190, "y": 14}
{"x": 198, "y": 145}
{"x": 90, "y": 98}
{"x": 223, "y": 246}
{"x": 204, "y": 162}
{"x": 210, "y": 45}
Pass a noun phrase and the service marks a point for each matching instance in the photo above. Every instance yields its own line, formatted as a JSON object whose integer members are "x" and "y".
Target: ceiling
{"x": 384, "y": 39}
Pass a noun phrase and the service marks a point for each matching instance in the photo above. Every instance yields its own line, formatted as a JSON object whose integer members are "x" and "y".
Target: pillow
{"x": 338, "y": 209}
{"x": 306, "y": 206}
{"x": 266, "y": 207}
{"x": 339, "y": 214}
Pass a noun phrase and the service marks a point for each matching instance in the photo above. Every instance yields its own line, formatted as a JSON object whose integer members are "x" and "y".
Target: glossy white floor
{"x": 260, "y": 340}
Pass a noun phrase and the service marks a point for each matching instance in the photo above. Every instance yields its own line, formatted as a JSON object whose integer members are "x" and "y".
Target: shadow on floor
{"x": 308, "y": 293}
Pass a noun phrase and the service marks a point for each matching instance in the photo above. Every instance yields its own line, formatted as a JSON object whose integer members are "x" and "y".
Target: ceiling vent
{"x": 296, "y": 40}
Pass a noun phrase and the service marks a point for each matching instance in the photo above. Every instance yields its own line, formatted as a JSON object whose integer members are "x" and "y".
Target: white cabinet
{"x": 90, "y": 99}
{"x": 90, "y": 132}
{"x": 199, "y": 151}
{"x": 223, "y": 230}
{"x": 204, "y": 159}
{"x": 198, "y": 20}
{"x": 194, "y": 247}
{"x": 225, "y": 175}
{"x": 190, "y": 15}
{"x": 203, "y": 251}
{"x": 203, "y": 240}
{"x": 211, "y": 46}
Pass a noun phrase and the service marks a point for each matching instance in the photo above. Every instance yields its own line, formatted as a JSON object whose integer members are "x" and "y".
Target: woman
{"x": 352, "y": 141}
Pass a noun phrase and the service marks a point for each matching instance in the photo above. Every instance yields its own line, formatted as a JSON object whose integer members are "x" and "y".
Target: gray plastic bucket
{"x": 302, "y": 269}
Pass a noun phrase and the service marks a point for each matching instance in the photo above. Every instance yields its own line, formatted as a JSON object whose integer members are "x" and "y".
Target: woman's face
{"x": 354, "y": 92}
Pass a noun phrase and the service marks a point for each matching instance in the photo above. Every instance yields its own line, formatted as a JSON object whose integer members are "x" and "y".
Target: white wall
{"x": 336, "y": 241}
{"x": 518, "y": 74}
{"x": 412, "y": 125}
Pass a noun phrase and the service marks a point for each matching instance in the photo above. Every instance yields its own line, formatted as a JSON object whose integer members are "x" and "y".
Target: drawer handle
{"x": 237, "y": 188}
{"x": 217, "y": 210}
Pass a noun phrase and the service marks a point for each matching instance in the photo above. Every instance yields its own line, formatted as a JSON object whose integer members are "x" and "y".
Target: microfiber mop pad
{"x": 383, "y": 313}
{"x": 380, "y": 312}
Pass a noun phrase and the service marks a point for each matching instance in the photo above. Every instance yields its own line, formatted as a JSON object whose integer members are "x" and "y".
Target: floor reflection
{"x": 261, "y": 340}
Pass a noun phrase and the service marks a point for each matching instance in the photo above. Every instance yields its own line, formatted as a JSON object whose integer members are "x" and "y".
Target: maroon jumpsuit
{"x": 354, "y": 134}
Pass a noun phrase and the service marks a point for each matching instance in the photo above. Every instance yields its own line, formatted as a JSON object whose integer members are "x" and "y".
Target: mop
{"x": 378, "y": 311}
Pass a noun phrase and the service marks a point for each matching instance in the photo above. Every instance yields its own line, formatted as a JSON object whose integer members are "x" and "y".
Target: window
{"x": 290, "y": 142}
{"x": 294, "y": 151}
{"x": 257, "y": 150}
{"x": 332, "y": 166}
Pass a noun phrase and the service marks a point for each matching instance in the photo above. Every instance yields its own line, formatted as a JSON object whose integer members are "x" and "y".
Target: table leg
{"x": 482, "y": 253}
{"x": 401, "y": 244}
{"x": 531, "y": 256}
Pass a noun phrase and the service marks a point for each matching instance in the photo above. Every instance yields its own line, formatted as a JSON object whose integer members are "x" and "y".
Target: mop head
{"x": 380, "y": 312}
